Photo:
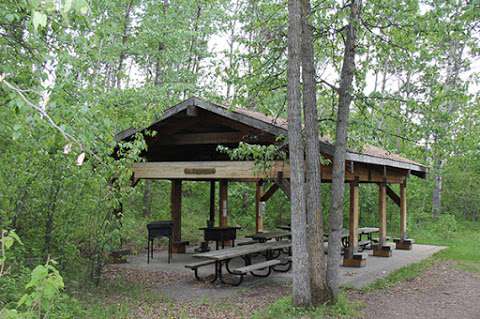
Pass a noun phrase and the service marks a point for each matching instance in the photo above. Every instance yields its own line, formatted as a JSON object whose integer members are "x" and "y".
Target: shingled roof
{"x": 279, "y": 126}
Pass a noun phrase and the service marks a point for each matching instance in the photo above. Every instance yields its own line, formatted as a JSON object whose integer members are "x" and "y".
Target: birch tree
{"x": 345, "y": 96}
{"x": 312, "y": 166}
{"x": 300, "y": 259}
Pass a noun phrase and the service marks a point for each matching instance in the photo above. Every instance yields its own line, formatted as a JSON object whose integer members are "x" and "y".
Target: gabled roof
{"x": 278, "y": 127}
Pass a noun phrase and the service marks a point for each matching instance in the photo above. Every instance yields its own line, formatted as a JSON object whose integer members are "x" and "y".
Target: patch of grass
{"x": 115, "y": 299}
{"x": 462, "y": 244}
{"x": 462, "y": 247}
{"x": 283, "y": 308}
{"x": 403, "y": 274}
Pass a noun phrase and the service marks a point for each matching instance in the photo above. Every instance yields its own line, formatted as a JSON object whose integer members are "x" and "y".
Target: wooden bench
{"x": 195, "y": 266}
{"x": 246, "y": 252}
{"x": 250, "y": 268}
{"x": 245, "y": 243}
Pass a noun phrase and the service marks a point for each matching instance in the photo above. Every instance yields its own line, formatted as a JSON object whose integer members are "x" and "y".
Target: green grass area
{"x": 284, "y": 309}
{"x": 462, "y": 240}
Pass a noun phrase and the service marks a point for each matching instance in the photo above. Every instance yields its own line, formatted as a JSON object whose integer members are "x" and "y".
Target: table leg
{"x": 216, "y": 272}
{"x": 148, "y": 250}
{"x": 169, "y": 248}
{"x": 151, "y": 248}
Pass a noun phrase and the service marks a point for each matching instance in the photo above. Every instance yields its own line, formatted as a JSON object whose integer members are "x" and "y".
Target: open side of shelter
{"x": 185, "y": 147}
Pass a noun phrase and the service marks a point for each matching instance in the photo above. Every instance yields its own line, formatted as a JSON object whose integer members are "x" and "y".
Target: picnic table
{"x": 362, "y": 231}
{"x": 220, "y": 258}
{"x": 266, "y": 236}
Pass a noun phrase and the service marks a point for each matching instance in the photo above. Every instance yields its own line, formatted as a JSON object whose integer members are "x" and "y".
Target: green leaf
{"x": 8, "y": 242}
{"x": 39, "y": 19}
{"x": 15, "y": 236}
{"x": 81, "y": 6}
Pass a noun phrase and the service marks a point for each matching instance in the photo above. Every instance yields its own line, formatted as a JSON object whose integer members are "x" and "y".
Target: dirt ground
{"x": 443, "y": 291}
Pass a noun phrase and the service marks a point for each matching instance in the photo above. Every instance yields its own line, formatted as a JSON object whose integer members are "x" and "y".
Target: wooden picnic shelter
{"x": 184, "y": 147}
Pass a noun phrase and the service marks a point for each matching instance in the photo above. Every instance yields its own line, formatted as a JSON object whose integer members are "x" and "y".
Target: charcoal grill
{"x": 158, "y": 229}
{"x": 220, "y": 234}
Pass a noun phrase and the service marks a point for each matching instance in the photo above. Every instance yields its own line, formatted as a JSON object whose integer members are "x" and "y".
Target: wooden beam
{"x": 246, "y": 170}
{"x": 382, "y": 212}
{"x": 366, "y": 174}
{"x": 259, "y": 207}
{"x": 269, "y": 193}
{"x": 223, "y": 203}
{"x": 393, "y": 196}
{"x": 207, "y": 170}
{"x": 353, "y": 218}
{"x": 212, "y": 138}
{"x": 284, "y": 184}
{"x": 176, "y": 209}
{"x": 212, "y": 203}
{"x": 403, "y": 211}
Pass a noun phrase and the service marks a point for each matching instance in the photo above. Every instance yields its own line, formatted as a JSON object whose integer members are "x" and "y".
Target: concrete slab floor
{"x": 189, "y": 289}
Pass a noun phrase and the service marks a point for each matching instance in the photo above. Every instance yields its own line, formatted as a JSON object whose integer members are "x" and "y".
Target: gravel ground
{"x": 441, "y": 292}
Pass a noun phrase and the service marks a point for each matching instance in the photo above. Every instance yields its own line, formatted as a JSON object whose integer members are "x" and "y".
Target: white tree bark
{"x": 338, "y": 173}
{"x": 301, "y": 278}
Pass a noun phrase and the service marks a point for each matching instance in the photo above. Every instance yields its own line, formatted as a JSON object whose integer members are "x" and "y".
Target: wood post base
{"x": 403, "y": 244}
{"x": 380, "y": 250}
{"x": 356, "y": 260}
{"x": 179, "y": 247}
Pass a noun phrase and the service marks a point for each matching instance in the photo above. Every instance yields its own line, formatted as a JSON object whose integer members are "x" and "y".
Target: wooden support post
{"x": 259, "y": 207}
{"x": 403, "y": 212}
{"x": 223, "y": 204}
{"x": 351, "y": 256}
{"x": 176, "y": 211}
{"x": 211, "y": 220}
{"x": 353, "y": 219}
{"x": 381, "y": 249}
{"x": 403, "y": 242}
{"x": 382, "y": 212}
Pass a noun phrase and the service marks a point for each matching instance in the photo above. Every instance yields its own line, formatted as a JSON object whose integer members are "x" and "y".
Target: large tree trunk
{"x": 338, "y": 172}
{"x": 312, "y": 165}
{"x": 451, "y": 83}
{"x": 123, "y": 52}
{"x": 300, "y": 260}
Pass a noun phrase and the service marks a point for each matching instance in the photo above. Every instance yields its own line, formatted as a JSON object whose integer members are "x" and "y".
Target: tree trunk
{"x": 338, "y": 173}
{"x": 437, "y": 188}
{"x": 451, "y": 83}
{"x": 312, "y": 150}
{"x": 301, "y": 278}
{"x": 147, "y": 198}
{"x": 57, "y": 179}
{"x": 123, "y": 53}
{"x": 158, "y": 68}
